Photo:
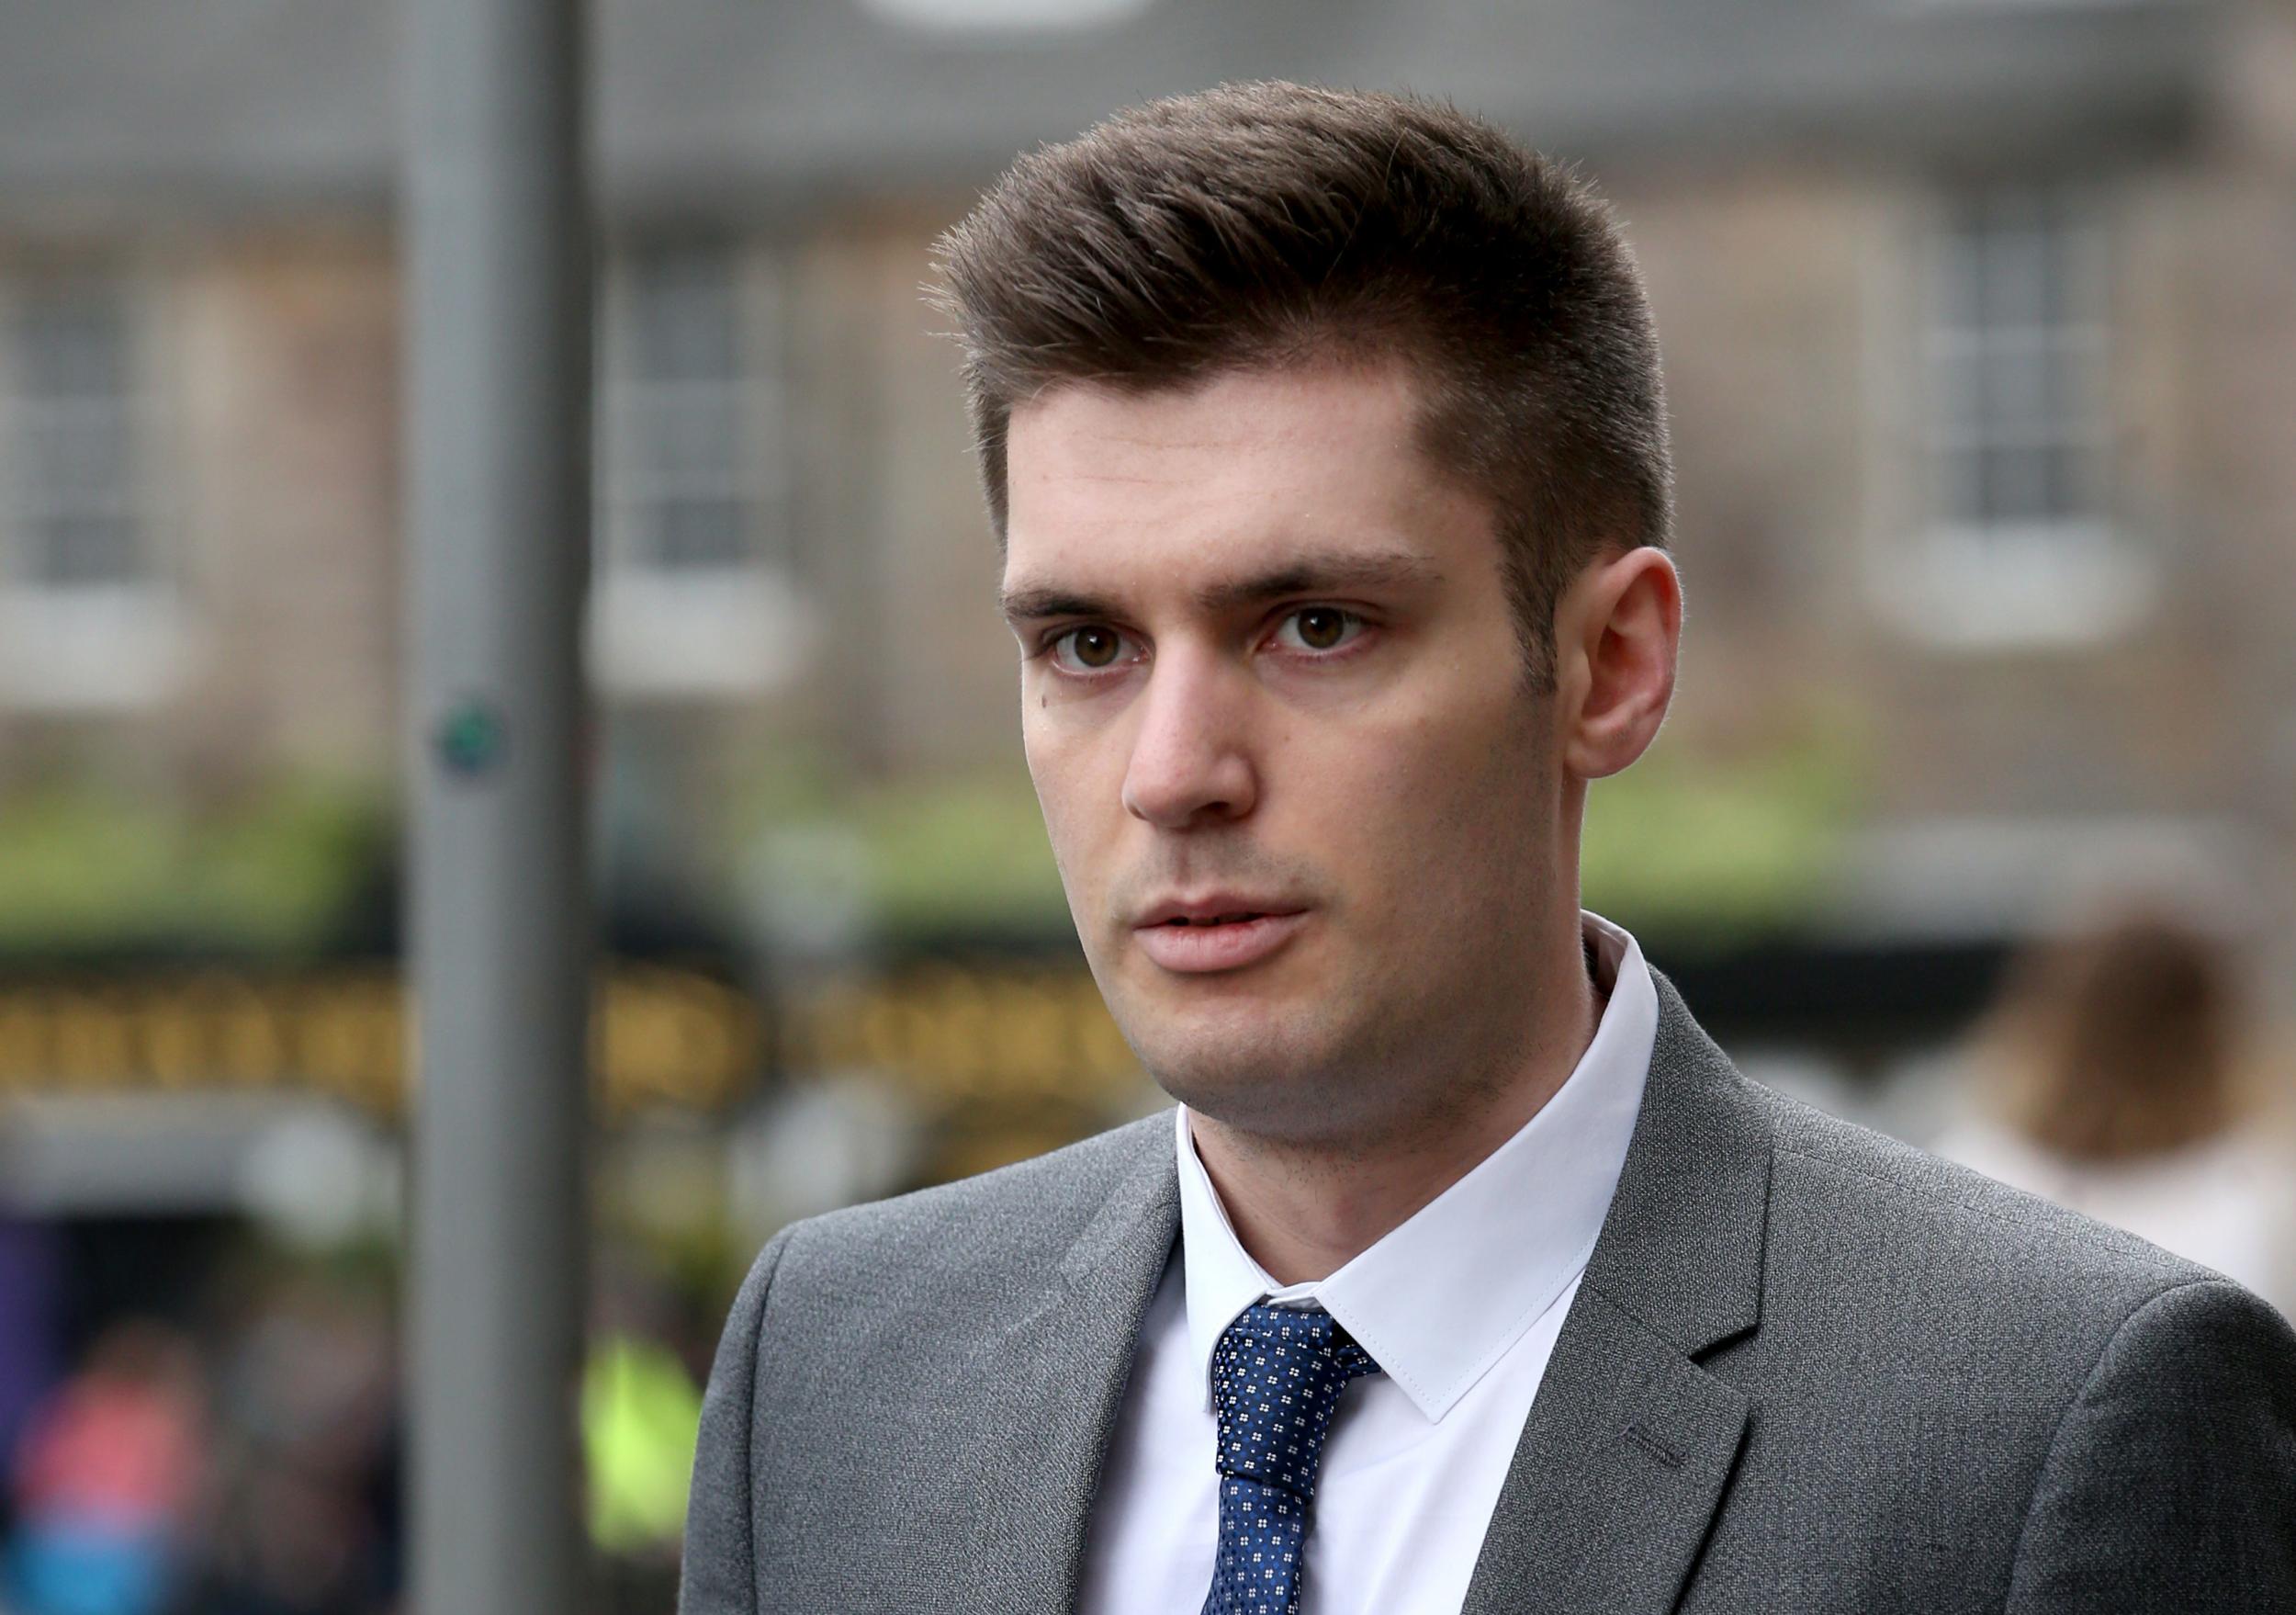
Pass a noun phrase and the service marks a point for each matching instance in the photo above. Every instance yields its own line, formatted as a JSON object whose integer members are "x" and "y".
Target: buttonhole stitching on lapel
{"x": 1654, "y": 1447}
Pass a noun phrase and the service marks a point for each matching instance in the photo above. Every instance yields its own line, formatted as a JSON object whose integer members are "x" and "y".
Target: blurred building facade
{"x": 1977, "y": 317}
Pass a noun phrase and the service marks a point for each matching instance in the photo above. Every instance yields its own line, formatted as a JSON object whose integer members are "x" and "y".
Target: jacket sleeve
{"x": 2171, "y": 1484}
{"x": 718, "y": 1573}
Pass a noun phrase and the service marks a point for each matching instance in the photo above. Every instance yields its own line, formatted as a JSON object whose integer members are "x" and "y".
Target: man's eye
{"x": 1322, "y": 628}
{"x": 1090, "y": 647}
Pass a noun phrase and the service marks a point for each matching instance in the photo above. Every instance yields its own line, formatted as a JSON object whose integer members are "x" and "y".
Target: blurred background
{"x": 1976, "y": 818}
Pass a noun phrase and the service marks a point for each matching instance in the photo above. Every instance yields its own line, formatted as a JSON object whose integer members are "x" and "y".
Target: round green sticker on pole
{"x": 471, "y": 738}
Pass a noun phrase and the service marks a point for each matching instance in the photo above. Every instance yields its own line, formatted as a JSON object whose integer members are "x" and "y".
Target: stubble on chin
{"x": 1333, "y": 1096}
{"x": 1291, "y": 1093}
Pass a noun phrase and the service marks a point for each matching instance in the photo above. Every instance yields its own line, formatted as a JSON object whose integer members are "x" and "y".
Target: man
{"x": 1324, "y": 436}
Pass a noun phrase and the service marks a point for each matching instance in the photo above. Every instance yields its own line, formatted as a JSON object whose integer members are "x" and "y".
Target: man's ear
{"x": 1619, "y": 629}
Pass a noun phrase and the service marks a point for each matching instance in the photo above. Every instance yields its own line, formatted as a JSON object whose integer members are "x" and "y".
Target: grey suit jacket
{"x": 1808, "y": 1370}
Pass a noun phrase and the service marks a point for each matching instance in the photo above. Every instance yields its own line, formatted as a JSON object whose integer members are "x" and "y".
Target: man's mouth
{"x": 1225, "y": 941}
{"x": 1214, "y": 907}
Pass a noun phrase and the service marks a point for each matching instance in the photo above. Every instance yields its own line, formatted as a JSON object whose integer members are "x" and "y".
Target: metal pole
{"x": 496, "y": 236}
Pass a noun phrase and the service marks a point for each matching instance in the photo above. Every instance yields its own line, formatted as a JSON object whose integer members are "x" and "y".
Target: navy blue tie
{"x": 1276, "y": 1377}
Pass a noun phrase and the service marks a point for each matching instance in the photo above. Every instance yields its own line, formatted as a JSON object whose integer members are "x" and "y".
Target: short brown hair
{"x": 1271, "y": 224}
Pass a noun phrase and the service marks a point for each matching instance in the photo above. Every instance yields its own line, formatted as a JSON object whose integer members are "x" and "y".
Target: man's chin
{"x": 1187, "y": 1031}
{"x": 1262, "y": 1086}
{"x": 1300, "y": 1113}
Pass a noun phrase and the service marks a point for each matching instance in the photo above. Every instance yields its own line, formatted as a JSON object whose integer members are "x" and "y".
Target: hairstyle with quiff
{"x": 1271, "y": 224}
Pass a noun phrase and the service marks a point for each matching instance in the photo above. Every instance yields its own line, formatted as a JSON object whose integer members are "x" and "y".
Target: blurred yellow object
{"x": 640, "y": 1410}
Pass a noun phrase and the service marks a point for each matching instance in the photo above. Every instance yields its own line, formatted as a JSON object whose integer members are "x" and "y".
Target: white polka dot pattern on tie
{"x": 1276, "y": 1379}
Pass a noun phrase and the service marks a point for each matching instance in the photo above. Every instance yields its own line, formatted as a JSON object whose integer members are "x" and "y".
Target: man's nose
{"x": 1188, "y": 760}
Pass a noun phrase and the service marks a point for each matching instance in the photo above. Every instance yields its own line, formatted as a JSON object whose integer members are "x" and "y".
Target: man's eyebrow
{"x": 1304, "y": 574}
{"x": 1030, "y": 603}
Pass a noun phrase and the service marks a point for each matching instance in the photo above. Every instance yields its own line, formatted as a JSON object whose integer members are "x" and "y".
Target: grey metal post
{"x": 495, "y": 233}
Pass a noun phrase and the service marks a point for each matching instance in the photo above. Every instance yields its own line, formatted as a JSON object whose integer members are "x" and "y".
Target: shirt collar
{"x": 1439, "y": 1299}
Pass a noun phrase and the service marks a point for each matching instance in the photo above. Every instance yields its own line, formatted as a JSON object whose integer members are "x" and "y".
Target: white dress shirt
{"x": 1459, "y": 1305}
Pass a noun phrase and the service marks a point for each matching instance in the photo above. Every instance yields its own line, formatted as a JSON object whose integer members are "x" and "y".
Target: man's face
{"x": 1269, "y": 668}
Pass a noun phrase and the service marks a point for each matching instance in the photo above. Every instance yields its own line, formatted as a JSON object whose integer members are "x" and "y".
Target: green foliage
{"x": 968, "y": 852}
{"x": 85, "y": 869}
{"x": 964, "y": 851}
{"x": 1681, "y": 843}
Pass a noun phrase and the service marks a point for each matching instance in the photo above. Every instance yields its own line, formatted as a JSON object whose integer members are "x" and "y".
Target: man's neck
{"x": 1305, "y": 1210}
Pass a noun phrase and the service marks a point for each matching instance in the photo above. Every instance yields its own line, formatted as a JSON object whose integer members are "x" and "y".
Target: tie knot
{"x": 1276, "y": 1378}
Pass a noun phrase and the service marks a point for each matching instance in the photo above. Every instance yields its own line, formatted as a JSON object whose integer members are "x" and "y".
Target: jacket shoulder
{"x": 2059, "y": 1408}
{"x": 1014, "y": 1219}
{"x": 1852, "y": 1209}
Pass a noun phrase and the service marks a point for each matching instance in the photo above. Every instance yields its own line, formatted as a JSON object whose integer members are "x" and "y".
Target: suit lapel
{"x": 1628, "y": 1448}
{"x": 1041, "y": 1400}
{"x": 1629, "y": 1445}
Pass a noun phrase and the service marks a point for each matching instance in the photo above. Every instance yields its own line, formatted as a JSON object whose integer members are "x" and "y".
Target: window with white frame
{"x": 2016, "y": 360}
{"x": 2020, "y": 543}
{"x": 88, "y": 611}
{"x": 76, "y": 507}
{"x": 683, "y": 386}
{"x": 695, "y": 586}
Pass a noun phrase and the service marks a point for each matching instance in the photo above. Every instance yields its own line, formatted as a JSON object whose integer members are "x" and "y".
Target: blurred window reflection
{"x": 2016, "y": 362}
{"x": 693, "y": 409}
{"x": 697, "y": 593}
{"x": 74, "y": 506}
{"x": 2019, "y": 539}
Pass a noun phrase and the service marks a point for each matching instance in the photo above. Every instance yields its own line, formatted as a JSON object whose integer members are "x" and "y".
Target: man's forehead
{"x": 1254, "y": 483}
{"x": 1296, "y": 403}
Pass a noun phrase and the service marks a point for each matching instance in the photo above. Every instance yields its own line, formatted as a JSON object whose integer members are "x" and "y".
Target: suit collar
{"x": 1681, "y": 1250}
{"x": 1630, "y": 1443}
{"x": 1681, "y": 1246}
{"x": 1129, "y": 1238}
{"x": 1036, "y": 1402}
{"x": 1441, "y": 1298}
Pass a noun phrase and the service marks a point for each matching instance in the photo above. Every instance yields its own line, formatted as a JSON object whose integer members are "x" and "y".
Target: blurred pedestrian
{"x": 2113, "y": 1078}
{"x": 104, "y": 1478}
{"x": 295, "y": 1522}
{"x": 31, "y": 1324}
{"x": 640, "y": 1411}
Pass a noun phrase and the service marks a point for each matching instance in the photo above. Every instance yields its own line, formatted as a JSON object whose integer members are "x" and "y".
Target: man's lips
{"x": 1192, "y": 949}
{"x": 1215, "y": 906}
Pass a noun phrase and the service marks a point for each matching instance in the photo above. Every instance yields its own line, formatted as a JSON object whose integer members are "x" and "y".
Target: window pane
{"x": 73, "y": 458}
{"x": 2015, "y": 371}
{"x": 70, "y": 343}
{"x": 2017, "y": 484}
{"x": 683, "y": 319}
{"x": 2018, "y": 264}
{"x": 1961, "y": 279}
{"x": 1957, "y": 381}
{"x": 74, "y": 503}
{"x": 71, "y": 549}
{"x": 2073, "y": 475}
{"x": 691, "y": 470}
{"x": 1961, "y": 480}
{"x": 698, "y": 533}
{"x": 2020, "y": 385}
{"x": 691, "y": 435}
